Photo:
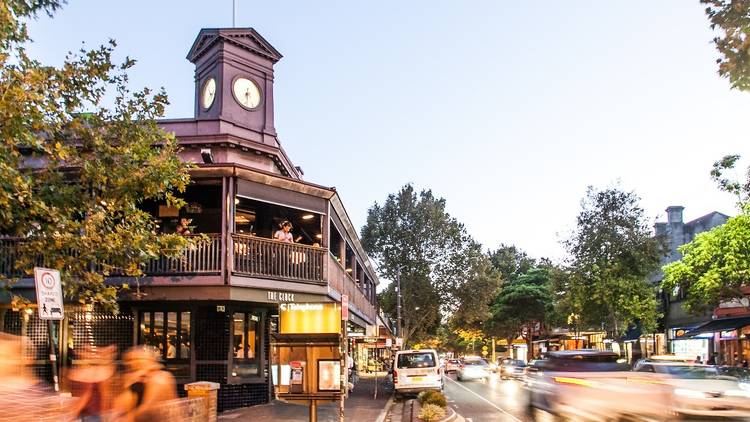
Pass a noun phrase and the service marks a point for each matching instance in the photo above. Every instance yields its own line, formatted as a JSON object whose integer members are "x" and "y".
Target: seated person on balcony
{"x": 184, "y": 227}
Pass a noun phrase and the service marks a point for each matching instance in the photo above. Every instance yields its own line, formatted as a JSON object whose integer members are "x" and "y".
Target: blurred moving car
{"x": 702, "y": 391}
{"x": 593, "y": 385}
{"x": 512, "y": 368}
{"x": 452, "y": 365}
{"x": 416, "y": 371}
{"x": 663, "y": 359}
{"x": 473, "y": 368}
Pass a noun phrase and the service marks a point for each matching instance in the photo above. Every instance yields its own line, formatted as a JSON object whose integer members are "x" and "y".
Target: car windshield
{"x": 416, "y": 360}
{"x": 475, "y": 362}
{"x": 687, "y": 372}
{"x": 512, "y": 362}
{"x": 583, "y": 363}
{"x": 731, "y": 371}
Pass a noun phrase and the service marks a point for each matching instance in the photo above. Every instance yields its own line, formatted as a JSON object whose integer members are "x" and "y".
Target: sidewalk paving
{"x": 360, "y": 406}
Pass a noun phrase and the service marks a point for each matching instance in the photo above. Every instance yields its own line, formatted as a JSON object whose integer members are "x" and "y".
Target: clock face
{"x": 246, "y": 92}
{"x": 208, "y": 93}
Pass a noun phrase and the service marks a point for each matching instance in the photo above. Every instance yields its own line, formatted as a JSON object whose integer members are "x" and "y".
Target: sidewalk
{"x": 359, "y": 407}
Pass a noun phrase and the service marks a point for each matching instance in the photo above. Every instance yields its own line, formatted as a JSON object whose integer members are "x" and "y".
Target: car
{"x": 415, "y": 371}
{"x": 703, "y": 391}
{"x": 452, "y": 365}
{"x": 594, "y": 385}
{"x": 512, "y": 368}
{"x": 472, "y": 369}
{"x": 663, "y": 359}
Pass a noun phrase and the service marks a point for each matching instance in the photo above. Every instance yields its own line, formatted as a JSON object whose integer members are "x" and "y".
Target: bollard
{"x": 209, "y": 391}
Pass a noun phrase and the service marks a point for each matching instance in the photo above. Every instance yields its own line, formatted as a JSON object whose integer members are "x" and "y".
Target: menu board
{"x": 329, "y": 375}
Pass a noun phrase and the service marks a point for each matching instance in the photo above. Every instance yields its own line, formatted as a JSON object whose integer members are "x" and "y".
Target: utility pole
{"x": 398, "y": 302}
{"x": 234, "y": 13}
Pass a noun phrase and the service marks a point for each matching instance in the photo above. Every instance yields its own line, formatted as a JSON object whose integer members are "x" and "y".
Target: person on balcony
{"x": 284, "y": 234}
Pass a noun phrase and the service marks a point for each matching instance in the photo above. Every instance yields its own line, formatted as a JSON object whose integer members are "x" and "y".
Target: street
{"x": 493, "y": 400}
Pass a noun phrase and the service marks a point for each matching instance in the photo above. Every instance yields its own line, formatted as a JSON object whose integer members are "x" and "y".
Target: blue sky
{"x": 509, "y": 110}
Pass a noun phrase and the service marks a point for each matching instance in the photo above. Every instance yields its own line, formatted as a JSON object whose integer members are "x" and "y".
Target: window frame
{"x": 165, "y": 335}
{"x": 259, "y": 358}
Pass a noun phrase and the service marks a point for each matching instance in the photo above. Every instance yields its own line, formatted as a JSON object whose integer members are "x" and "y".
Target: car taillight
{"x": 437, "y": 371}
{"x": 395, "y": 376}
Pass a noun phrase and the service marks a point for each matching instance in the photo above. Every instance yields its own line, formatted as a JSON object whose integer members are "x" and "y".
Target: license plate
{"x": 417, "y": 378}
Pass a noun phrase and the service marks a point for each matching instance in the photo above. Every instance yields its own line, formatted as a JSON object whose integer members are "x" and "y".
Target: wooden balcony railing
{"x": 340, "y": 280}
{"x": 259, "y": 257}
{"x": 202, "y": 258}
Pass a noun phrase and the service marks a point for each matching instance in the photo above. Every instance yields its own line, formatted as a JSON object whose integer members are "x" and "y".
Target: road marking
{"x": 485, "y": 400}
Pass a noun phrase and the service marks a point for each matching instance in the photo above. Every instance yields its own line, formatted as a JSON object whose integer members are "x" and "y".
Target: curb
{"x": 386, "y": 409}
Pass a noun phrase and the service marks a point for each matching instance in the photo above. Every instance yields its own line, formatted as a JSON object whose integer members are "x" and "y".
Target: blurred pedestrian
{"x": 713, "y": 359}
{"x": 146, "y": 386}
{"x": 698, "y": 360}
{"x": 91, "y": 381}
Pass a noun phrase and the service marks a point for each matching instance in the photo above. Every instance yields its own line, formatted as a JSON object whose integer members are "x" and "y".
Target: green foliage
{"x": 520, "y": 304}
{"x": 511, "y": 262}
{"x": 411, "y": 234}
{"x": 432, "y": 397}
{"x": 738, "y": 188}
{"x": 731, "y": 19}
{"x": 715, "y": 266}
{"x": 612, "y": 254}
{"x": 431, "y": 413}
{"x": 73, "y": 172}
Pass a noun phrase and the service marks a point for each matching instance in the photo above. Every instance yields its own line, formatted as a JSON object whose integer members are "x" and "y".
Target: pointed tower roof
{"x": 246, "y": 38}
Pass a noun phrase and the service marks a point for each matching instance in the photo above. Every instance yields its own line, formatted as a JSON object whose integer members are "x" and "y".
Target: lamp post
{"x": 398, "y": 301}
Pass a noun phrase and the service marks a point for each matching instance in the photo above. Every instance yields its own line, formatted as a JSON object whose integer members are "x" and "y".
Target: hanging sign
{"x": 49, "y": 296}
{"x": 344, "y": 307}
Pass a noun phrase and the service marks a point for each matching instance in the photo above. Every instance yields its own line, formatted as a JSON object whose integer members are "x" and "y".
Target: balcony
{"x": 266, "y": 258}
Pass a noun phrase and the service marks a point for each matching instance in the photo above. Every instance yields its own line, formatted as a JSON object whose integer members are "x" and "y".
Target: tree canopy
{"x": 612, "y": 254}
{"x": 74, "y": 172}
{"x": 442, "y": 270}
{"x": 731, "y": 20}
{"x": 520, "y": 305}
{"x": 715, "y": 265}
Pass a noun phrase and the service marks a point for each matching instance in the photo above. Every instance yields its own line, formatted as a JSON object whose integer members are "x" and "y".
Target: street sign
{"x": 49, "y": 296}
{"x": 399, "y": 342}
{"x": 388, "y": 343}
{"x": 344, "y": 307}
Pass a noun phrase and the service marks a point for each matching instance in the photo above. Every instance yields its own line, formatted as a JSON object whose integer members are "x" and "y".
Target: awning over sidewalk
{"x": 724, "y": 324}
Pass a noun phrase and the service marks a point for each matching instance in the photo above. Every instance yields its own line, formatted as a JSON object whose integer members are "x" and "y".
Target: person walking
{"x": 146, "y": 386}
{"x": 91, "y": 382}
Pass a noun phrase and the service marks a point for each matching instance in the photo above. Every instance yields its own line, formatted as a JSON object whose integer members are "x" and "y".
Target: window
{"x": 169, "y": 332}
{"x": 245, "y": 334}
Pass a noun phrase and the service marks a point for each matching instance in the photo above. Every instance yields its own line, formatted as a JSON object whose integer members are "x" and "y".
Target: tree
{"x": 521, "y": 305}
{"x": 411, "y": 236}
{"x": 731, "y": 18}
{"x": 511, "y": 262}
{"x": 611, "y": 255}
{"x": 73, "y": 172}
{"x": 715, "y": 266}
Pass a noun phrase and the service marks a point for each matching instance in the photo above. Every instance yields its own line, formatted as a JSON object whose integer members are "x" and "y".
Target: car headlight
{"x": 690, "y": 393}
{"x": 737, "y": 393}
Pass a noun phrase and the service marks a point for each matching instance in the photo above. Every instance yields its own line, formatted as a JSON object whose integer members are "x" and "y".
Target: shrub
{"x": 431, "y": 412}
{"x": 432, "y": 397}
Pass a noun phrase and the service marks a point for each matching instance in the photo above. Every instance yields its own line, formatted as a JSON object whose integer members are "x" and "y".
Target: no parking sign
{"x": 49, "y": 296}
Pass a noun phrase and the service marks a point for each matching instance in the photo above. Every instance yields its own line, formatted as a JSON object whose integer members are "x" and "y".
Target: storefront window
{"x": 245, "y": 333}
{"x": 169, "y": 332}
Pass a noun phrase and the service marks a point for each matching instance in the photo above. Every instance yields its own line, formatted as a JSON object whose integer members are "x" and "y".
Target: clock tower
{"x": 234, "y": 80}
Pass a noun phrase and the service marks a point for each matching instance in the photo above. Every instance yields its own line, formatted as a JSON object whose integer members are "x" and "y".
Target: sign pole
{"x": 53, "y": 354}
{"x": 49, "y": 300}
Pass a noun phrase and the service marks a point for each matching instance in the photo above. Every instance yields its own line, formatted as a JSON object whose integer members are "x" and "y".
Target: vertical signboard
{"x": 344, "y": 307}
{"x": 49, "y": 293}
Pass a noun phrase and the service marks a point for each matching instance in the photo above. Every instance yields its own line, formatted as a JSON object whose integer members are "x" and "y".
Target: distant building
{"x": 677, "y": 322}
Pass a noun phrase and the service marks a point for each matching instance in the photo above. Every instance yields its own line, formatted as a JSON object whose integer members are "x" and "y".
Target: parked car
{"x": 512, "y": 368}
{"x": 452, "y": 365}
{"x": 702, "y": 391}
{"x": 593, "y": 385}
{"x": 472, "y": 369}
{"x": 415, "y": 371}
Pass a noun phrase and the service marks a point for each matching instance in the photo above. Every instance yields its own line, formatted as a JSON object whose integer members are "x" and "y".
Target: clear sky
{"x": 506, "y": 109}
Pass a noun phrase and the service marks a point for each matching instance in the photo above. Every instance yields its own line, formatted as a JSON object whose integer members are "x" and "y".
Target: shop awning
{"x": 724, "y": 324}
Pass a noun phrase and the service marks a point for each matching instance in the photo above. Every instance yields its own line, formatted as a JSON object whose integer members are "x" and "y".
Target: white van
{"x": 417, "y": 370}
